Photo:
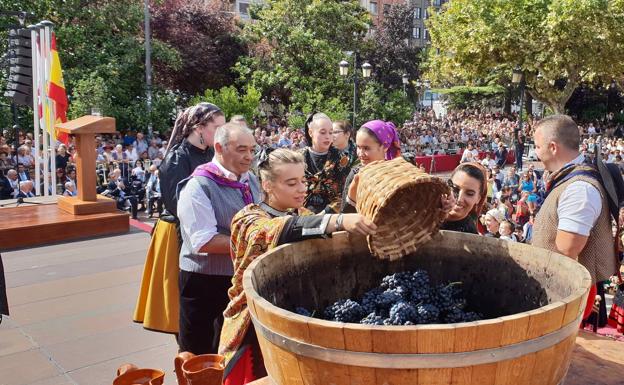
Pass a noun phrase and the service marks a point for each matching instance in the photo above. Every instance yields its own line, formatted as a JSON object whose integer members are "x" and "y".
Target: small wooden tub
{"x": 533, "y": 300}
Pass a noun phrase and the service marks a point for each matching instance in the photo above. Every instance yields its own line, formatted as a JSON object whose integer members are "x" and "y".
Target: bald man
{"x": 574, "y": 220}
{"x": 207, "y": 202}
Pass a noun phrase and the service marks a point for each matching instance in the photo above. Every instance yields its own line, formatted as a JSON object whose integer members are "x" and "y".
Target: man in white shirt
{"x": 207, "y": 202}
{"x": 574, "y": 219}
{"x": 470, "y": 154}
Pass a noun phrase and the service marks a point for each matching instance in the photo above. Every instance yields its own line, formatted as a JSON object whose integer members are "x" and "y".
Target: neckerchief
{"x": 214, "y": 173}
{"x": 569, "y": 171}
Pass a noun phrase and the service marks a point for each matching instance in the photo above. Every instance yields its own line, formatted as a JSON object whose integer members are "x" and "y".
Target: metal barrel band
{"x": 418, "y": 361}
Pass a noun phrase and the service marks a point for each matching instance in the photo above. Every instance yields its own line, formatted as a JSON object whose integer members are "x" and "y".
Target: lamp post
{"x": 148, "y": 67}
{"x": 405, "y": 79}
{"x": 418, "y": 88}
{"x": 367, "y": 69}
{"x": 518, "y": 78}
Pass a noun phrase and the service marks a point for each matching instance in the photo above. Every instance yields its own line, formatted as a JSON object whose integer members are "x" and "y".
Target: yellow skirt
{"x": 158, "y": 305}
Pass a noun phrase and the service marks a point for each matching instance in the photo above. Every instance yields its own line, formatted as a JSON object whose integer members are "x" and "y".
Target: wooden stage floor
{"x": 37, "y": 224}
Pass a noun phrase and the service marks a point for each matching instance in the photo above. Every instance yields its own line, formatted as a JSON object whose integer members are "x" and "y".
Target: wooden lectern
{"x": 87, "y": 201}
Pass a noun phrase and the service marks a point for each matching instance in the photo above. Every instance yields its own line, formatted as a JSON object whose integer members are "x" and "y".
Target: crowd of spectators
{"x": 127, "y": 164}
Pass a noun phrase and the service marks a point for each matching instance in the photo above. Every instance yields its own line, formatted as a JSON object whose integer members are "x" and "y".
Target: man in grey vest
{"x": 207, "y": 202}
{"x": 574, "y": 219}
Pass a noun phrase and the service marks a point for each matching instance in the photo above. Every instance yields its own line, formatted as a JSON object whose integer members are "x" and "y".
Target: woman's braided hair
{"x": 190, "y": 118}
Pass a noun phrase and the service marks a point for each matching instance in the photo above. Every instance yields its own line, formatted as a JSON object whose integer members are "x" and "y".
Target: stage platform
{"x": 39, "y": 221}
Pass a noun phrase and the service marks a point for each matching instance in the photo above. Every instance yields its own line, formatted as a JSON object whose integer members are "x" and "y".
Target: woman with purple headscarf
{"x": 375, "y": 140}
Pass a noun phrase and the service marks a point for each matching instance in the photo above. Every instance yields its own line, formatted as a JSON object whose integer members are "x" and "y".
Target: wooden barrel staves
{"x": 533, "y": 300}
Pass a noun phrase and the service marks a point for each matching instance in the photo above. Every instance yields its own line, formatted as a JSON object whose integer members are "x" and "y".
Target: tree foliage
{"x": 461, "y": 97}
{"x": 207, "y": 38}
{"x": 556, "y": 43}
{"x": 377, "y": 103}
{"x": 295, "y": 48}
{"x": 389, "y": 50}
{"x": 232, "y": 102}
{"x": 101, "y": 40}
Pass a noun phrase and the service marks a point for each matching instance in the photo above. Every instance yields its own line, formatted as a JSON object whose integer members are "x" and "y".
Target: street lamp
{"x": 517, "y": 77}
{"x": 405, "y": 79}
{"x": 344, "y": 68}
{"x": 367, "y": 69}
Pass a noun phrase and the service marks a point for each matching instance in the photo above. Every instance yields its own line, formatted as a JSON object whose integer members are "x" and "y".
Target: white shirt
{"x": 197, "y": 217}
{"x": 579, "y": 207}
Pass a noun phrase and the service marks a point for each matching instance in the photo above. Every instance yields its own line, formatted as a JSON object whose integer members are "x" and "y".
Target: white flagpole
{"x": 34, "y": 53}
{"x": 42, "y": 99}
{"x": 51, "y": 105}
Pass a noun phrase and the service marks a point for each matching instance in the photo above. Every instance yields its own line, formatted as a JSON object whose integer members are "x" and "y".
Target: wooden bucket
{"x": 544, "y": 293}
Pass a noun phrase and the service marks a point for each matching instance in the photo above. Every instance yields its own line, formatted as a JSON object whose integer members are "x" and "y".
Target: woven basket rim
{"x": 409, "y": 184}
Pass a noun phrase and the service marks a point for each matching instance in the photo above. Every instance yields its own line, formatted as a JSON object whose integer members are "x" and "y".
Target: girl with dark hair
{"x": 469, "y": 186}
{"x": 327, "y": 167}
{"x": 190, "y": 146}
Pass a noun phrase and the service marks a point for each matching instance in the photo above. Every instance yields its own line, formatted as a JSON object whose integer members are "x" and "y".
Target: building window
{"x": 437, "y": 3}
{"x": 386, "y": 9}
{"x": 425, "y": 34}
{"x": 373, "y": 7}
{"x": 416, "y": 33}
{"x": 426, "y": 14}
{"x": 243, "y": 9}
{"x": 417, "y": 13}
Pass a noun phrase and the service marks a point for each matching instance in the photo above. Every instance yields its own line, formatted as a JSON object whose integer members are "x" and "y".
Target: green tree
{"x": 377, "y": 103}
{"x": 295, "y": 48}
{"x": 100, "y": 40}
{"x": 232, "y": 102}
{"x": 556, "y": 43}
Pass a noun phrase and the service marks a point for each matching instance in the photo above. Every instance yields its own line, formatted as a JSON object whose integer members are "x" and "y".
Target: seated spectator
{"x": 25, "y": 189}
{"x": 470, "y": 154}
{"x": 22, "y": 173}
{"x": 153, "y": 192}
{"x": 500, "y": 155}
{"x": 488, "y": 162}
{"x": 512, "y": 180}
{"x": 131, "y": 154}
{"x": 118, "y": 189}
{"x": 140, "y": 144}
{"x": 62, "y": 157}
{"x": 239, "y": 119}
{"x": 528, "y": 229}
{"x": 493, "y": 219}
{"x": 506, "y": 231}
{"x": 9, "y": 185}
{"x": 153, "y": 150}
{"x": 138, "y": 171}
{"x": 71, "y": 175}
{"x": 519, "y": 233}
{"x": 522, "y": 212}
{"x": 70, "y": 190}
{"x": 6, "y": 162}
{"x": 25, "y": 157}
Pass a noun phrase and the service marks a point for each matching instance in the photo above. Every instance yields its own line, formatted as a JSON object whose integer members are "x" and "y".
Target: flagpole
{"x": 42, "y": 99}
{"x": 51, "y": 107}
{"x": 34, "y": 38}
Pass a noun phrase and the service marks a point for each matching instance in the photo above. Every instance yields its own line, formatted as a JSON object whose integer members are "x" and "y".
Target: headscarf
{"x": 191, "y": 117}
{"x": 387, "y": 135}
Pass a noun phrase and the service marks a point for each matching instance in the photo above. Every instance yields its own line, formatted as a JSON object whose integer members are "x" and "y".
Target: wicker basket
{"x": 404, "y": 203}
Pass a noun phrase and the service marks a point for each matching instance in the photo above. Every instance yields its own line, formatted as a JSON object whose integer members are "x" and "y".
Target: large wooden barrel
{"x": 533, "y": 301}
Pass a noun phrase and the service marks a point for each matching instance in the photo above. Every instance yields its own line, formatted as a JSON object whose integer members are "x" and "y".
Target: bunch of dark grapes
{"x": 402, "y": 313}
{"x": 405, "y": 298}
{"x": 344, "y": 310}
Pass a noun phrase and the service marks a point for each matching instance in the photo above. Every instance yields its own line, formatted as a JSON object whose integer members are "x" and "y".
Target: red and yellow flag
{"x": 56, "y": 90}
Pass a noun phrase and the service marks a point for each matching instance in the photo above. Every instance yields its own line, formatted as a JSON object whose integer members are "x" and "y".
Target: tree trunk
{"x": 507, "y": 103}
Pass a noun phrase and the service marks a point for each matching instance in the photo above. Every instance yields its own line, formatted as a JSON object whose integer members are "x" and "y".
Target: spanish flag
{"x": 56, "y": 90}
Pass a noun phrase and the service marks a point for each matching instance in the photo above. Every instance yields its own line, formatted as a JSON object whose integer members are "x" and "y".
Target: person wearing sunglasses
{"x": 468, "y": 184}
